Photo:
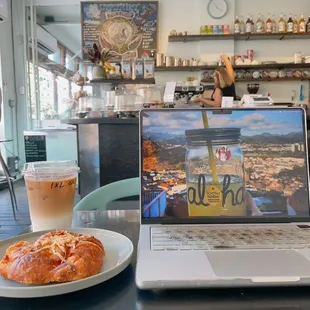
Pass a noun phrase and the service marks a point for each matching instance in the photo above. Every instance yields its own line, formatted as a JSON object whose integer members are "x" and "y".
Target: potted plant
{"x": 100, "y": 61}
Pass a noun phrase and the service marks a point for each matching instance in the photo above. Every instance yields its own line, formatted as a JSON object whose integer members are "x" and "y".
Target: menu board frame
{"x": 134, "y": 38}
{"x": 35, "y": 148}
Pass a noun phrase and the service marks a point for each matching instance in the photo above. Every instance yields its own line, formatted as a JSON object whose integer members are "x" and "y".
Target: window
{"x": 70, "y": 61}
{"x": 47, "y": 88}
{"x": 56, "y": 90}
{"x": 56, "y": 56}
{"x": 63, "y": 94}
{"x": 46, "y": 91}
{"x": 56, "y": 94}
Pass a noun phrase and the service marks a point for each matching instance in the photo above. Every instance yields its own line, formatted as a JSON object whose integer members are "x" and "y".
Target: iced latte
{"x": 51, "y": 191}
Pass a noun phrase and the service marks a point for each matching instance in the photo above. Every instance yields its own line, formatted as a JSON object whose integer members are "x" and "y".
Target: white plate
{"x": 118, "y": 249}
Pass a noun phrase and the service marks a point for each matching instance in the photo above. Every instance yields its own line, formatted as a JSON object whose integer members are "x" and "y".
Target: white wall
{"x": 181, "y": 15}
{"x": 192, "y": 14}
{"x": 185, "y": 15}
{"x": 280, "y": 51}
{"x": 20, "y": 78}
{"x": 2, "y": 129}
{"x": 67, "y": 34}
{"x": 189, "y": 15}
{"x": 14, "y": 119}
{"x": 8, "y": 123}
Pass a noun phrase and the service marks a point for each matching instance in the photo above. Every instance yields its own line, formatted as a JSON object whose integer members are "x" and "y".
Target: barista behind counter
{"x": 224, "y": 80}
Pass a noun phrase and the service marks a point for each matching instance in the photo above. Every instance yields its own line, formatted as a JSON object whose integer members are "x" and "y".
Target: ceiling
{"x": 66, "y": 27}
{"x": 65, "y": 13}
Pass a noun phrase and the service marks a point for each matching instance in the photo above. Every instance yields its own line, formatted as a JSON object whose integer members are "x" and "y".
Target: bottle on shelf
{"x": 285, "y": 22}
{"x": 259, "y": 24}
{"x": 248, "y": 25}
{"x": 308, "y": 25}
{"x": 145, "y": 54}
{"x": 252, "y": 25}
{"x": 242, "y": 25}
{"x": 281, "y": 24}
{"x": 274, "y": 24}
{"x": 301, "y": 94}
{"x": 302, "y": 24}
{"x": 237, "y": 25}
{"x": 295, "y": 25}
{"x": 290, "y": 24}
{"x": 263, "y": 24}
{"x": 269, "y": 24}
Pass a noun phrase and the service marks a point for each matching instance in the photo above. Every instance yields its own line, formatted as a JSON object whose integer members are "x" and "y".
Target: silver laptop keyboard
{"x": 220, "y": 238}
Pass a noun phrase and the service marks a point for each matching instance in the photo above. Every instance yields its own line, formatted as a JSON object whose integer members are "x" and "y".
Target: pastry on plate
{"x": 55, "y": 257}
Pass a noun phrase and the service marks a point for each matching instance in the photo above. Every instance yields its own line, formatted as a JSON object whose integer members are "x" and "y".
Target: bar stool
{"x": 9, "y": 179}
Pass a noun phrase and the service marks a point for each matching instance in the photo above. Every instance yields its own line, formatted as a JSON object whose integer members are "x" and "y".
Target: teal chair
{"x": 98, "y": 199}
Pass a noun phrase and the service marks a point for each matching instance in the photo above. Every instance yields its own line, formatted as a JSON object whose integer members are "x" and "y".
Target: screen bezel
{"x": 221, "y": 220}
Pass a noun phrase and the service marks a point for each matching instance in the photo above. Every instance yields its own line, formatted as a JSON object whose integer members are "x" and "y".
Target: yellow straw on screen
{"x": 210, "y": 150}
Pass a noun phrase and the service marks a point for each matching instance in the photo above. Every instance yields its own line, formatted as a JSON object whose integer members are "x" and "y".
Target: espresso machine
{"x": 184, "y": 94}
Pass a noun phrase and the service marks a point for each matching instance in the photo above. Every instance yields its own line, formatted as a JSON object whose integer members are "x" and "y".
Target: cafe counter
{"x": 108, "y": 151}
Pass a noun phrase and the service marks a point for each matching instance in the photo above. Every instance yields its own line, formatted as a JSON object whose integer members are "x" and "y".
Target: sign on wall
{"x": 35, "y": 148}
{"x": 127, "y": 28}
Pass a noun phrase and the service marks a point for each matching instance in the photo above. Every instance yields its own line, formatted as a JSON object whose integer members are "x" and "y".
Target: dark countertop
{"x": 110, "y": 121}
{"x": 103, "y": 120}
{"x": 47, "y": 130}
{"x": 120, "y": 293}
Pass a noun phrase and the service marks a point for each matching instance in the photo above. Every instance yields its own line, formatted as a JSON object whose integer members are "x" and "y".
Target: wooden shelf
{"x": 239, "y": 37}
{"x": 201, "y": 37}
{"x": 122, "y": 81}
{"x": 188, "y": 68}
{"x": 264, "y": 80}
{"x": 274, "y": 66}
{"x": 246, "y": 67}
{"x": 56, "y": 68}
{"x": 274, "y": 80}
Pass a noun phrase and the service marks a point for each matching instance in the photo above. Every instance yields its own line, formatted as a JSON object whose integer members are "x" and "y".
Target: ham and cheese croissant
{"x": 55, "y": 257}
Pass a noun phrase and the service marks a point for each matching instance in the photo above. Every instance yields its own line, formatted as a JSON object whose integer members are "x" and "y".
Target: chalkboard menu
{"x": 126, "y": 28}
{"x": 35, "y": 148}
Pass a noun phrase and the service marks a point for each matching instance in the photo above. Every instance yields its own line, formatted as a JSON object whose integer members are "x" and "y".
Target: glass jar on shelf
{"x": 152, "y": 95}
{"x": 215, "y": 173}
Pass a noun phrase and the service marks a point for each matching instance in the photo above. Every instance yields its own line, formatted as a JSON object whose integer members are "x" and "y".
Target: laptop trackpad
{"x": 258, "y": 263}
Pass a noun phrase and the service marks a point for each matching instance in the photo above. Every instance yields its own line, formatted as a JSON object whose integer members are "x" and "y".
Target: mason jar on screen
{"x": 215, "y": 172}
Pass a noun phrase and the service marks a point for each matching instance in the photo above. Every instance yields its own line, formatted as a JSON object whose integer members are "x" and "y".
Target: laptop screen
{"x": 225, "y": 164}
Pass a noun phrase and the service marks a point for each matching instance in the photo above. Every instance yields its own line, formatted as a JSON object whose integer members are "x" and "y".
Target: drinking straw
{"x": 210, "y": 150}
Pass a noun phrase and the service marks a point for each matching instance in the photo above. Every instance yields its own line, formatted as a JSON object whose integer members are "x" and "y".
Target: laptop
{"x": 224, "y": 198}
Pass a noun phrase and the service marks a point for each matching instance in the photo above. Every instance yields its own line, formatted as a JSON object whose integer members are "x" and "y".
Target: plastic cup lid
{"x": 51, "y": 168}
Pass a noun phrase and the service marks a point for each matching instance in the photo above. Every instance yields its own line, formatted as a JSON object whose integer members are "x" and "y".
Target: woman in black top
{"x": 224, "y": 79}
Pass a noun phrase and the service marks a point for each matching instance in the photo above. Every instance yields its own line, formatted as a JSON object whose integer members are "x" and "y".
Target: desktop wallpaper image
{"x": 269, "y": 159}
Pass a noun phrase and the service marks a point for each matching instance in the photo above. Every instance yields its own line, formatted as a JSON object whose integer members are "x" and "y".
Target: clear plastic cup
{"x": 51, "y": 191}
